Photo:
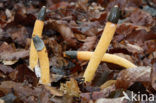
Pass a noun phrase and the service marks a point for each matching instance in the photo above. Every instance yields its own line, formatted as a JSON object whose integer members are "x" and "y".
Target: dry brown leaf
{"x": 7, "y": 86}
{"x": 82, "y": 4}
{"x": 89, "y": 44}
{"x": 128, "y": 76}
{"x": 19, "y": 35}
{"x": 60, "y": 5}
{"x": 5, "y": 47}
{"x": 97, "y": 94}
{"x": 113, "y": 100}
{"x": 9, "y": 62}
{"x": 25, "y": 92}
{"x": 23, "y": 73}
{"x": 132, "y": 32}
{"x": 70, "y": 88}
{"x": 53, "y": 91}
{"x": 125, "y": 56}
{"x": 5, "y": 69}
{"x": 65, "y": 32}
{"x": 142, "y": 18}
{"x": 7, "y": 56}
{"x": 134, "y": 48}
{"x": 153, "y": 75}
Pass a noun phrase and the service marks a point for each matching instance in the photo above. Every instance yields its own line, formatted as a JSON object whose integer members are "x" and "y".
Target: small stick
{"x": 102, "y": 45}
{"x": 43, "y": 59}
{"x": 110, "y": 58}
{"x": 38, "y": 28}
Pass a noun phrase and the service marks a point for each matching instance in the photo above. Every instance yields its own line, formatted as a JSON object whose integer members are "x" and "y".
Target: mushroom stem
{"x": 43, "y": 59}
{"x": 38, "y": 28}
{"x": 110, "y": 58}
{"x": 102, "y": 45}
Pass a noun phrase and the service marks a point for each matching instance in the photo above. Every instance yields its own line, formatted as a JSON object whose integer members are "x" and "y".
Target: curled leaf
{"x": 128, "y": 76}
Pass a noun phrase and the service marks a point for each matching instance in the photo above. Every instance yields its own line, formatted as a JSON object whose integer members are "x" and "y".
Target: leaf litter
{"x": 76, "y": 25}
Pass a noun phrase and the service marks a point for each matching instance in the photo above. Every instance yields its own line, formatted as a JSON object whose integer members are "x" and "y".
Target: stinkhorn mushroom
{"x": 38, "y": 28}
{"x": 103, "y": 44}
{"x": 110, "y": 58}
{"x": 43, "y": 59}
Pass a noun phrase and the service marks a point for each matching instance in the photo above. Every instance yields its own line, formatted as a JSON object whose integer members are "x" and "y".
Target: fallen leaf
{"x": 26, "y": 93}
{"x": 153, "y": 75}
{"x": 133, "y": 33}
{"x": 122, "y": 3}
{"x": 7, "y": 56}
{"x": 150, "y": 10}
{"x": 19, "y": 35}
{"x": 23, "y": 17}
{"x": 9, "y": 62}
{"x": 82, "y": 4}
{"x": 97, "y": 94}
{"x": 23, "y": 73}
{"x": 65, "y": 32}
{"x": 112, "y": 100}
{"x": 60, "y": 5}
{"x": 6, "y": 69}
{"x": 134, "y": 48}
{"x": 89, "y": 44}
{"x": 70, "y": 88}
{"x": 5, "y": 47}
{"x": 54, "y": 91}
{"x": 102, "y": 75}
{"x": 128, "y": 57}
{"x": 139, "y": 17}
{"x": 9, "y": 98}
{"x": 127, "y": 77}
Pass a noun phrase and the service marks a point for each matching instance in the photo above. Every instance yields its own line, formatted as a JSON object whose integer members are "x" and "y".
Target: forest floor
{"x": 77, "y": 25}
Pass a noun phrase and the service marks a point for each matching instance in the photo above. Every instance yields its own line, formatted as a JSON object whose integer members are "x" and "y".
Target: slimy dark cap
{"x": 114, "y": 15}
{"x": 41, "y": 14}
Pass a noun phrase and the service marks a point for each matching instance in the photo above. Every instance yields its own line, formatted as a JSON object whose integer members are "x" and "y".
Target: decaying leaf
{"x": 128, "y": 76}
{"x": 7, "y": 56}
{"x": 153, "y": 75}
{"x": 150, "y": 10}
{"x": 141, "y": 18}
{"x": 23, "y": 73}
{"x": 97, "y": 94}
{"x": 65, "y": 31}
{"x": 53, "y": 91}
{"x": 19, "y": 35}
{"x": 83, "y": 4}
{"x": 89, "y": 43}
{"x": 26, "y": 93}
{"x": 76, "y": 25}
{"x": 9, "y": 62}
{"x": 60, "y": 5}
{"x": 70, "y": 88}
{"x": 5, "y": 69}
{"x": 9, "y": 98}
{"x": 5, "y": 47}
{"x": 114, "y": 100}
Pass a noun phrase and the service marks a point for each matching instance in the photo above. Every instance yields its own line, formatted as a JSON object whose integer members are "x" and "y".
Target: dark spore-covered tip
{"x": 114, "y": 14}
{"x": 70, "y": 54}
{"x": 38, "y": 43}
{"x": 41, "y": 13}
